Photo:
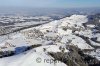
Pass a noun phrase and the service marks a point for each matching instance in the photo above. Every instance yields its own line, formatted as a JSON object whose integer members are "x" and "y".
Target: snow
{"x": 17, "y": 36}
{"x": 18, "y": 42}
{"x": 50, "y": 48}
{"x": 34, "y": 41}
{"x": 3, "y": 38}
{"x": 74, "y": 19}
{"x": 91, "y": 26}
{"x": 62, "y": 32}
{"x": 98, "y": 37}
{"x": 87, "y": 33}
{"x": 76, "y": 41}
{"x": 50, "y": 26}
{"x": 64, "y": 40}
{"x": 52, "y": 31}
{"x": 29, "y": 58}
{"x": 8, "y": 49}
{"x": 94, "y": 43}
{"x": 51, "y": 36}
{"x": 95, "y": 53}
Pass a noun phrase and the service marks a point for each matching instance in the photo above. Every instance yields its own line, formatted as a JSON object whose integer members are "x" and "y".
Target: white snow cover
{"x": 77, "y": 41}
{"x": 50, "y": 48}
{"x": 30, "y": 58}
{"x": 56, "y": 34}
{"x": 74, "y": 19}
{"x": 98, "y": 37}
{"x": 95, "y": 54}
{"x": 54, "y": 30}
{"x": 56, "y": 27}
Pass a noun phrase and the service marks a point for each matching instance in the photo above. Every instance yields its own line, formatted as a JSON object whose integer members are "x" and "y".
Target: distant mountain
{"x": 23, "y": 11}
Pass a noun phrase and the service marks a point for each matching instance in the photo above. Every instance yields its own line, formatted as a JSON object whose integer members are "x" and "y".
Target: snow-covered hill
{"x": 54, "y": 37}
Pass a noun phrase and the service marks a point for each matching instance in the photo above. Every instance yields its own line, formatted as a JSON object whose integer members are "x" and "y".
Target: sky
{"x": 50, "y": 3}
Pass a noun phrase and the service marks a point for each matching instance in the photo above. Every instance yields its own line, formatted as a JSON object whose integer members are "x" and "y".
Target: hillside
{"x": 71, "y": 41}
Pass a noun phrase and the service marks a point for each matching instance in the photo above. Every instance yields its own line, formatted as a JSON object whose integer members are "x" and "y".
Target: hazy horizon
{"x": 50, "y": 3}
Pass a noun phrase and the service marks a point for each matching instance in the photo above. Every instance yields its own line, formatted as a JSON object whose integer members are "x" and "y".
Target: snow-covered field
{"x": 51, "y": 36}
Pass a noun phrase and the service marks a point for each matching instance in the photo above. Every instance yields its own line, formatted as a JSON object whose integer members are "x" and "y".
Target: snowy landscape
{"x": 69, "y": 41}
{"x": 49, "y": 32}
